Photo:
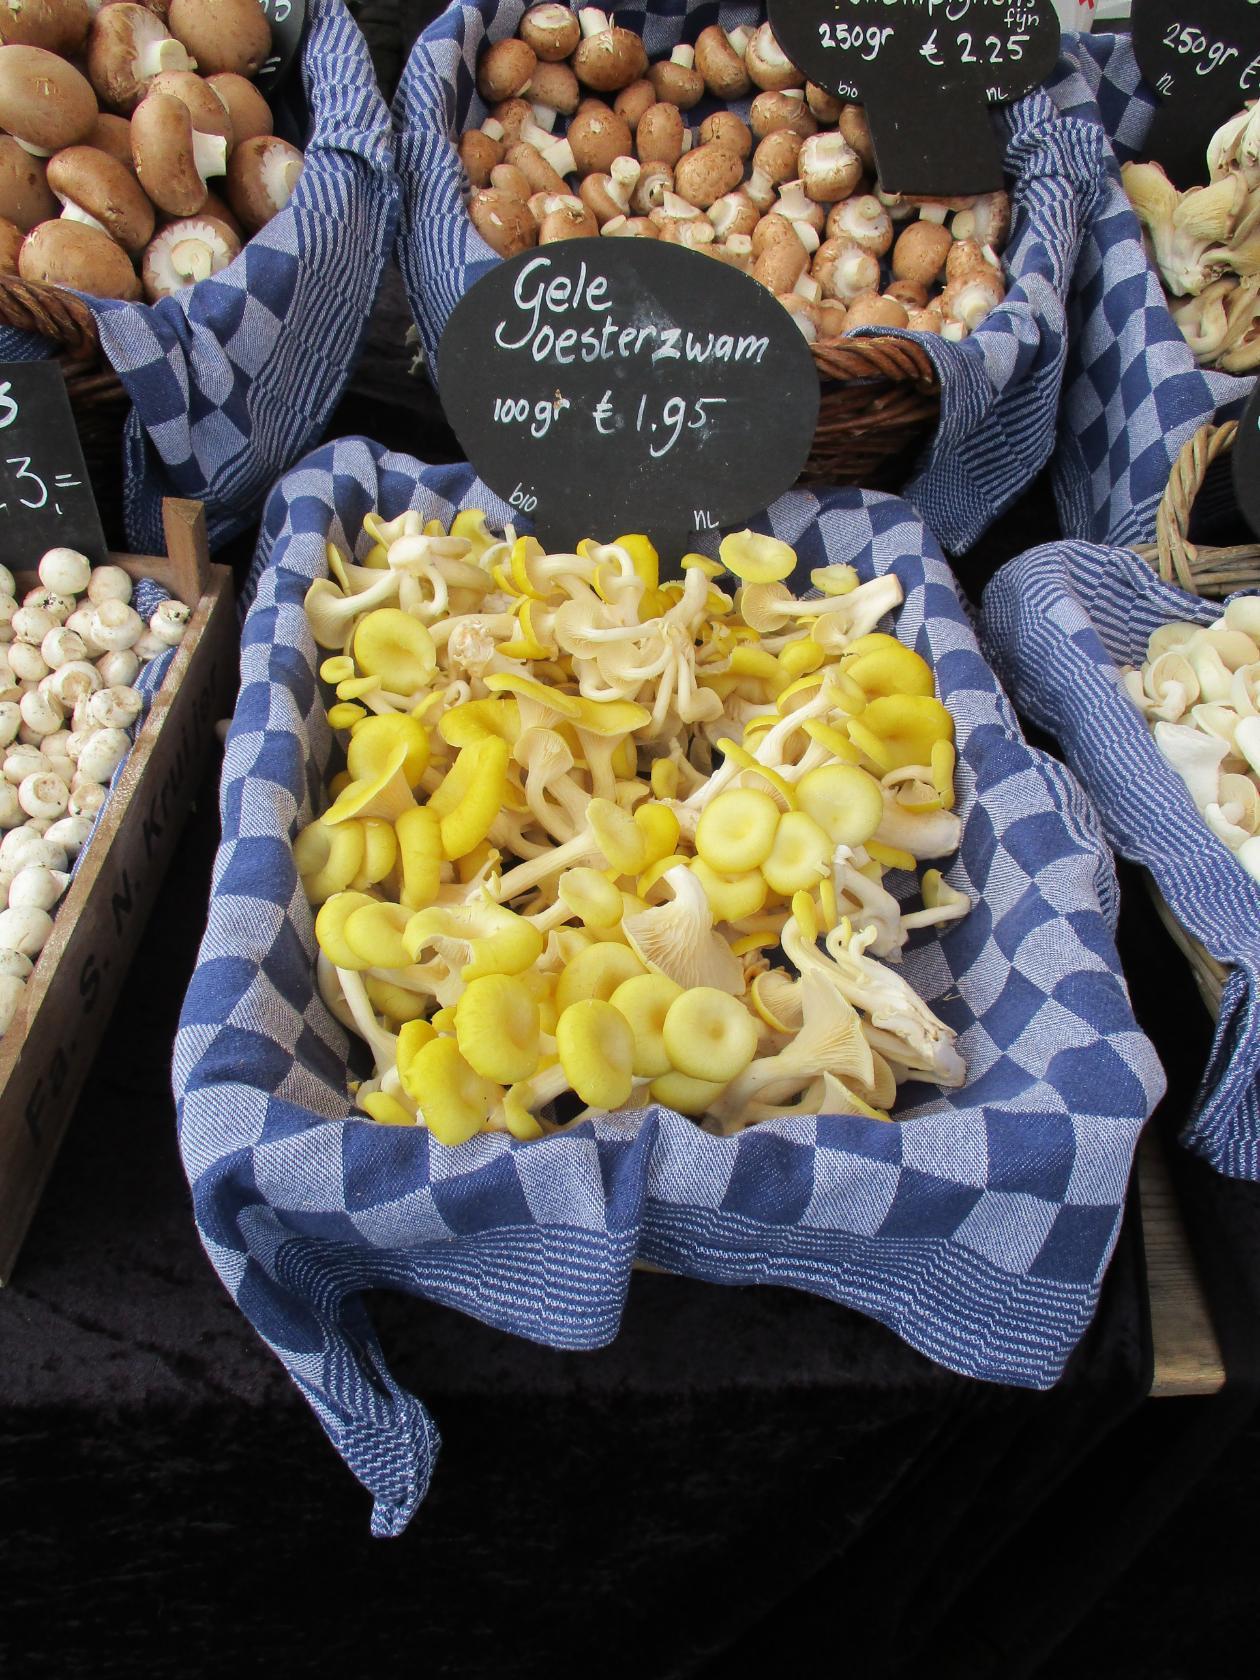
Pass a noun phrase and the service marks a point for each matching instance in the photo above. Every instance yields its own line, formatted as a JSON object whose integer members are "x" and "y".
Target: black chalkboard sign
{"x": 616, "y": 385}
{"x": 1203, "y": 59}
{"x": 1246, "y": 461}
{"x": 287, "y": 19}
{"x": 926, "y": 70}
{"x": 46, "y": 499}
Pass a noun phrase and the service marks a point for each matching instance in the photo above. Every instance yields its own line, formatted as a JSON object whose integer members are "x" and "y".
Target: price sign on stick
{"x": 1246, "y": 462}
{"x": 46, "y": 500}
{"x": 1203, "y": 59}
{"x": 615, "y": 385}
{"x": 927, "y": 71}
{"x": 287, "y": 18}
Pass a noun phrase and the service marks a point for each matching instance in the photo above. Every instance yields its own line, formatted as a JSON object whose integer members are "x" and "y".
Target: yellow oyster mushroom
{"x": 881, "y": 665}
{"x": 472, "y": 721}
{"x": 709, "y": 1035}
{"x": 345, "y": 714}
{"x": 596, "y": 1049}
{"x": 453, "y": 1100}
{"x": 328, "y": 859}
{"x": 596, "y": 972}
{"x": 398, "y": 1004}
{"x": 380, "y": 853}
{"x": 801, "y": 855}
{"x": 394, "y": 646}
{"x": 499, "y": 941}
{"x": 374, "y": 932}
{"x": 776, "y": 997}
{"x": 756, "y": 558}
{"x": 732, "y": 898}
{"x": 330, "y": 928}
{"x": 331, "y": 613}
{"x": 645, "y": 1000}
{"x": 845, "y": 802}
{"x": 497, "y": 1028}
{"x": 590, "y": 896}
{"x": 899, "y": 729}
{"x": 420, "y": 855}
{"x": 736, "y": 830}
{"x": 386, "y": 1110}
{"x": 692, "y": 1097}
{"x": 387, "y": 793}
{"x": 471, "y": 795}
{"x": 377, "y": 737}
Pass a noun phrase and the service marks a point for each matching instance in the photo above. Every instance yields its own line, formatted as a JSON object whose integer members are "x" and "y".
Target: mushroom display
{"x": 70, "y": 651}
{"x": 802, "y": 212}
{"x": 95, "y": 168}
{"x": 604, "y": 840}
{"x": 1205, "y": 244}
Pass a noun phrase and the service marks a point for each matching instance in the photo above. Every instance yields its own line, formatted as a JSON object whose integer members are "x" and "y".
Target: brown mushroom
{"x": 567, "y": 222}
{"x": 825, "y": 106}
{"x": 510, "y": 115}
{"x": 112, "y": 135}
{"x": 832, "y": 315}
{"x": 45, "y": 103}
{"x": 776, "y": 156}
{"x": 96, "y": 188}
{"x": 11, "y": 238}
{"x": 248, "y": 112}
{"x": 535, "y": 168}
{"x": 479, "y": 154}
{"x": 857, "y": 131}
{"x": 735, "y": 252}
{"x": 661, "y": 135}
{"x": 506, "y": 177}
{"x": 829, "y": 167}
{"x": 871, "y": 310}
{"x": 844, "y": 270}
{"x": 596, "y": 138}
{"x": 261, "y": 177}
{"x": 729, "y": 131}
{"x": 220, "y": 35}
{"x": 208, "y": 112}
{"x": 770, "y": 230}
{"x": 556, "y": 87}
{"x": 607, "y": 196}
{"x": 987, "y": 221}
{"x": 551, "y": 30}
{"x": 908, "y": 293}
{"x": 702, "y": 176}
{"x": 214, "y": 209}
{"x": 695, "y": 235}
{"x": 920, "y": 252}
{"x": 505, "y": 70}
{"x": 768, "y": 65}
{"x": 734, "y": 214}
{"x": 185, "y": 252}
{"x": 65, "y": 253}
{"x": 166, "y": 155}
{"x": 26, "y": 199}
{"x": 929, "y": 320}
{"x": 655, "y": 180}
{"x": 780, "y": 265}
{"x": 630, "y": 227}
{"x": 607, "y": 58}
{"x": 966, "y": 255}
{"x": 864, "y": 220}
{"x": 58, "y": 26}
{"x": 504, "y": 222}
{"x": 631, "y": 103}
{"x": 804, "y": 312}
{"x": 676, "y": 79}
{"x": 781, "y": 108}
{"x": 720, "y": 65}
{"x": 973, "y": 298}
{"x": 127, "y": 47}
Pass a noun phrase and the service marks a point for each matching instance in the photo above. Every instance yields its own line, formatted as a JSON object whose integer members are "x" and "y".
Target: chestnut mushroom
{"x": 555, "y": 87}
{"x": 208, "y": 112}
{"x": 504, "y": 222}
{"x": 655, "y": 181}
{"x": 734, "y": 214}
{"x": 781, "y": 265}
{"x": 222, "y": 34}
{"x": 661, "y": 135}
{"x": 768, "y": 65}
{"x": 127, "y": 47}
{"x": 261, "y": 177}
{"x": 11, "y": 238}
{"x": 720, "y": 64}
{"x": 248, "y": 111}
{"x": 505, "y": 70}
{"x": 844, "y": 270}
{"x": 96, "y": 189}
{"x": 508, "y": 178}
{"x": 775, "y": 158}
{"x": 25, "y": 196}
{"x": 58, "y": 26}
{"x": 633, "y": 101}
{"x": 607, "y": 58}
{"x": 45, "y": 103}
{"x": 676, "y": 79}
{"x": 187, "y": 251}
{"x": 707, "y": 173}
{"x": 479, "y": 154}
{"x": 729, "y": 131}
{"x": 871, "y": 310}
{"x": 920, "y": 252}
{"x": 829, "y": 167}
{"x": 596, "y": 138}
{"x": 825, "y": 106}
{"x": 214, "y": 209}
{"x": 510, "y": 115}
{"x": 987, "y": 221}
{"x": 551, "y": 30}
{"x": 69, "y": 254}
{"x": 781, "y": 108}
{"x": 112, "y": 135}
{"x": 864, "y": 220}
{"x": 908, "y": 293}
{"x": 567, "y": 222}
{"x": 172, "y": 161}
{"x": 856, "y": 129}
{"x": 535, "y": 168}
{"x": 630, "y": 227}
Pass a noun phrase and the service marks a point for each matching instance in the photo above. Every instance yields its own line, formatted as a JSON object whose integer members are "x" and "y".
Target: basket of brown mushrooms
{"x": 579, "y": 130}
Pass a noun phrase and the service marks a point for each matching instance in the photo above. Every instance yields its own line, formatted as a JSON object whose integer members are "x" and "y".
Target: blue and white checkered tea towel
{"x": 232, "y": 379}
{"x": 1132, "y": 392}
{"x": 1057, "y": 623}
{"x": 978, "y": 1228}
{"x": 999, "y": 389}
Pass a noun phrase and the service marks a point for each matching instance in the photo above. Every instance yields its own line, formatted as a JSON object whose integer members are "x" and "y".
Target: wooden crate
{"x": 49, "y": 1048}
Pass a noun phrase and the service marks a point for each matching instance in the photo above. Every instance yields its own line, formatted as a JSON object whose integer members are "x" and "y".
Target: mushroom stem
{"x": 71, "y": 212}
{"x": 192, "y": 259}
{"x": 165, "y": 53}
{"x": 35, "y": 151}
{"x": 210, "y": 155}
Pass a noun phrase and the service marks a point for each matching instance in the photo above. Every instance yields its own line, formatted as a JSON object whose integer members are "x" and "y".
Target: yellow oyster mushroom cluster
{"x": 604, "y": 840}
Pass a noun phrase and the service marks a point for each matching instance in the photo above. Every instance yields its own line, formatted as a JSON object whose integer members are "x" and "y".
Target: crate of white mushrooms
{"x": 111, "y": 680}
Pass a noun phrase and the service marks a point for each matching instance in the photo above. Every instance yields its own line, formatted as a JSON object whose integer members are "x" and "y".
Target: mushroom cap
{"x": 186, "y": 251}
{"x": 504, "y": 70}
{"x": 479, "y": 154}
{"x": 720, "y": 65}
{"x": 595, "y": 195}
{"x": 222, "y": 34}
{"x": 26, "y": 199}
{"x": 825, "y": 106}
{"x": 610, "y": 60}
{"x": 781, "y": 264}
{"x": 261, "y": 177}
{"x": 596, "y": 138}
{"x": 855, "y": 127}
{"x": 729, "y": 130}
{"x": 767, "y": 63}
{"x": 43, "y": 100}
{"x": 535, "y": 168}
{"x": 508, "y": 178}
{"x": 567, "y": 223}
{"x": 107, "y": 190}
{"x": 512, "y": 115}
{"x": 249, "y": 112}
{"x": 120, "y": 34}
{"x": 11, "y": 237}
{"x": 551, "y": 30}
{"x": 71, "y": 254}
{"x": 162, "y": 150}
{"x": 661, "y": 134}
{"x": 502, "y": 221}
{"x": 555, "y": 86}
{"x": 863, "y": 219}
{"x": 632, "y": 101}
{"x": 213, "y": 207}
{"x": 675, "y": 84}
{"x": 655, "y": 181}
{"x": 208, "y": 112}
{"x": 58, "y": 26}
{"x": 909, "y": 293}
{"x": 829, "y": 167}
{"x": 781, "y": 108}
{"x": 734, "y": 213}
{"x": 777, "y": 155}
{"x": 920, "y": 252}
{"x": 112, "y": 135}
{"x": 772, "y": 229}
{"x": 706, "y": 174}
{"x": 871, "y": 310}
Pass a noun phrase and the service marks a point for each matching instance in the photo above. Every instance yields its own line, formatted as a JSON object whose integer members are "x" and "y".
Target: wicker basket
{"x": 880, "y": 399}
{"x": 97, "y": 398}
{"x": 1213, "y": 572}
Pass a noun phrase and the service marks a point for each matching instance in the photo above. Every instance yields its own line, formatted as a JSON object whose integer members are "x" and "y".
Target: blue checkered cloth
{"x": 978, "y": 1229}
{"x": 999, "y": 389}
{"x": 224, "y": 398}
{"x": 1132, "y": 392}
{"x": 1057, "y": 623}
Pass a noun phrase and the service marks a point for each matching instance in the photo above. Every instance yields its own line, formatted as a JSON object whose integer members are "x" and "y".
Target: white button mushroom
{"x": 44, "y": 795}
{"x": 8, "y": 583}
{"x": 149, "y": 647}
{"x": 15, "y": 964}
{"x": 25, "y": 930}
{"x": 11, "y": 990}
{"x": 60, "y": 646}
{"x": 72, "y": 682}
{"x": 10, "y": 721}
{"x": 23, "y": 846}
{"x": 11, "y": 813}
{"x": 69, "y": 832}
{"x": 41, "y": 713}
{"x": 26, "y": 662}
{"x": 102, "y": 755}
{"x": 109, "y": 583}
{"x": 86, "y": 799}
{"x": 116, "y": 625}
{"x": 66, "y": 570}
{"x": 23, "y": 760}
{"x": 32, "y": 624}
{"x": 37, "y": 888}
{"x": 60, "y": 606}
{"x": 83, "y": 622}
{"x": 118, "y": 670}
{"x": 8, "y": 606}
{"x": 115, "y": 708}
{"x": 169, "y": 622}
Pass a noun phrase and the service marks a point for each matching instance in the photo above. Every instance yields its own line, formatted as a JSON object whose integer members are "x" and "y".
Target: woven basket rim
{"x": 1214, "y": 572}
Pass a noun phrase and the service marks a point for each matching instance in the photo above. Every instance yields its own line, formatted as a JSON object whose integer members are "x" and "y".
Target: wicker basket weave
{"x": 1212, "y": 572}
{"x": 880, "y": 400}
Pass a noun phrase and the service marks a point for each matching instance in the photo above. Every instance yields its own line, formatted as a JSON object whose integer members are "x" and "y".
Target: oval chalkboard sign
{"x": 287, "y": 19}
{"x": 616, "y": 385}
{"x": 927, "y": 71}
{"x": 1203, "y": 59}
{"x": 46, "y": 498}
